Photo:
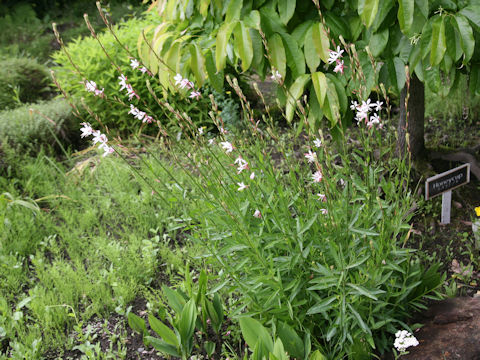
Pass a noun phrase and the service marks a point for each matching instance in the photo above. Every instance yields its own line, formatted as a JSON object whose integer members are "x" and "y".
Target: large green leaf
{"x": 216, "y": 78}
{"x": 405, "y": 14}
{"x": 252, "y": 20}
{"x": 320, "y": 84}
{"x": 233, "y": 10}
{"x": 162, "y": 346}
{"x": 197, "y": 63}
{"x": 439, "y": 46}
{"x": 311, "y": 56}
{"x": 163, "y": 330}
{"x": 331, "y": 107}
{"x": 378, "y": 42}
{"x": 422, "y": 5}
{"x": 186, "y": 323}
{"x": 400, "y": 75}
{"x": 320, "y": 39}
{"x": 472, "y": 13}
{"x": 367, "y": 10}
{"x": 254, "y": 332}
{"x": 467, "y": 40}
{"x": 223, "y": 36}
{"x": 243, "y": 44}
{"x": 294, "y": 93}
{"x": 291, "y": 341}
{"x": 137, "y": 323}
{"x": 277, "y": 53}
{"x": 286, "y": 9}
{"x": 295, "y": 58}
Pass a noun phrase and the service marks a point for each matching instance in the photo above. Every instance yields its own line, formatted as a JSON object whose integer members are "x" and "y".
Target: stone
{"x": 451, "y": 331}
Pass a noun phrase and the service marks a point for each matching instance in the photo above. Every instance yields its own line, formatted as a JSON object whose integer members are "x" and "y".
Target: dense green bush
{"x": 22, "y": 80}
{"x": 33, "y": 125}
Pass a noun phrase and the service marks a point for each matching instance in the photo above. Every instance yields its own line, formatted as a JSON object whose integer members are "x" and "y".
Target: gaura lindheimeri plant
{"x": 314, "y": 243}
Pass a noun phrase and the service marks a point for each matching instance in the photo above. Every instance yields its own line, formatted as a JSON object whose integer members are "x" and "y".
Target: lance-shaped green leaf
{"x": 422, "y": 5}
{"x": 467, "y": 41}
{"x": 405, "y": 14}
{"x": 311, "y": 56}
{"x": 295, "y": 58}
{"x": 204, "y": 7}
{"x": 438, "y": 46}
{"x": 286, "y": 9}
{"x": 294, "y": 93}
{"x": 252, "y": 20}
{"x": 216, "y": 78}
{"x": 472, "y": 13}
{"x": 320, "y": 39}
{"x": 396, "y": 71}
{"x": 197, "y": 64}
{"x": 331, "y": 107}
{"x": 254, "y": 332}
{"x": 367, "y": 10}
{"x": 223, "y": 36}
{"x": 233, "y": 10}
{"x": 277, "y": 53}
{"x": 378, "y": 42}
{"x": 163, "y": 331}
{"x": 320, "y": 84}
{"x": 162, "y": 346}
{"x": 243, "y": 44}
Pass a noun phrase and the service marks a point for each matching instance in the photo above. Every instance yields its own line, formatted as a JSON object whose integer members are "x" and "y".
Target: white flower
{"x": 140, "y": 115}
{"x": 107, "y": 150}
{"x": 317, "y": 143}
{"x": 185, "y": 83}
{"x": 131, "y": 93}
{"x": 99, "y": 92}
{"x": 323, "y": 211}
{"x": 403, "y": 340}
{"x": 317, "y": 176}
{"x": 242, "y": 164}
{"x": 211, "y": 141}
{"x": 133, "y": 110}
{"x": 310, "y": 156}
{"x": 378, "y": 105}
{"x": 252, "y": 176}
{"x": 122, "y": 82}
{"x": 322, "y": 197}
{"x": 335, "y": 55}
{"x": 91, "y": 86}
{"x": 178, "y": 79}
{"x": 257, "y": 214}
{"x": 134, "y": 63}
{"x": 195, "y": 95}
{"x": 86, "y": 130}
{"x": 143, "y": 69}
{"x": 99, "y": 137}
{"x": 241, "y": 186}
{"x": 276, "y": 76}
{"x": 354, "y": 105}
{"x": 228, "y": 147}
{"x": 374, "y": 119}
{"x": 200, "y": 130}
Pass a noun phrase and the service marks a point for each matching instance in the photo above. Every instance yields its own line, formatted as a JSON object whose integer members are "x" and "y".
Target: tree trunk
{"x": 412, "y": 120}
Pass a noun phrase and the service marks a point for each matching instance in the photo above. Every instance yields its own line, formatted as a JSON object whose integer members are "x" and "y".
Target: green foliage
{"x": 31, "y": 126}
{"x": 23, "y": 80}
{"x": 436, "y": 40}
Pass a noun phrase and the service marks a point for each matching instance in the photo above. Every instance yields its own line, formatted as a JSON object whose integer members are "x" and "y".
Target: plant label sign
{"x": 443, "y": 184}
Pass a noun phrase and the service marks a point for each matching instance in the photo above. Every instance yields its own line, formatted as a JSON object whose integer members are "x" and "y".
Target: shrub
{"x": 26, "y": 129}
{"x": 22, "y": 80}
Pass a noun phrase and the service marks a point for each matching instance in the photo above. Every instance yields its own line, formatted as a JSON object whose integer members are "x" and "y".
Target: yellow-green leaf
{"x": 320, "y": 39}
{"x": 286, "y": 9}
{"x": 311, "y": 57}
{"x": 277, "y": 53}
{"x": 243, "y": 44}
{"x": 197, "y": 64}
{"x": 405, "y": 14}
{"x": 368, "y": 10}
{"x": 438, "y": 46}
{"x": 294, "y": 93}
{"x": 233, "y": 10}
{"x": 320, "y": 84}
{"x": 223, "y": 36}
{"x": 467, "y": 40}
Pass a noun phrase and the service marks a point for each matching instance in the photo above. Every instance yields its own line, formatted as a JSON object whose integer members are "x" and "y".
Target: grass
{"x": 98, "y": 241}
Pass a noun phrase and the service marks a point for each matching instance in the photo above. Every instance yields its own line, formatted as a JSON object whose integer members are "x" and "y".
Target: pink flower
{"x": 276, "y": 76}
{"x": 241, "y": 186}
{"x": 99, "y": 137}
{"x": 322, "y": 197}
{"x": 195, "y": 95}
{"x": 311, "y": 156}
{"x": 143, "y": 69}
{"x": 339, "y": 67}
{"x": 185, "y": 83}
{"x": 107, "y": 150}
{"x": 134, "y": 63}
{"x": 90, "y": 86}
{"x": 148, "y": 119}
{"x": 257, "y": 214}
{"x": 223, "y": 131}
{"x": 252, "y": 176}
{"x": 86, "y": 130}
{"x": 323, "y": 211}
{"x": 317, "y": 176}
